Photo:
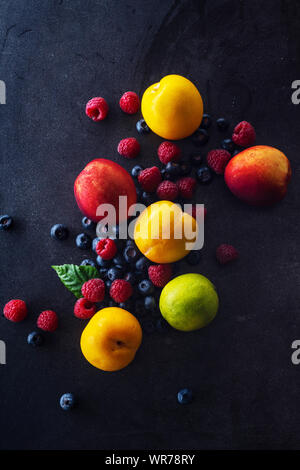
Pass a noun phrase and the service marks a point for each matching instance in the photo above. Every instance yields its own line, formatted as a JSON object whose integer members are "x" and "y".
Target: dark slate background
{"x": 54, "y": 56}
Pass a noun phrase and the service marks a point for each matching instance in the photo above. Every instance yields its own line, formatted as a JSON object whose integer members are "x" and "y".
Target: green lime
{"x": 189, "y": 302}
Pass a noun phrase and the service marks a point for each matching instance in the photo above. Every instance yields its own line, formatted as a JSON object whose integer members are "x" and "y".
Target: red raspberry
{"x": 129, "y": 148}
{"x": 130, "y": 102}
{"x": 47, "y": 321}
{"x": 120, "y": 290}
{"x": 15, "y": 310}
{"x": 218, "y": 159}
{"x": 149, "y": 179}
{"x": 167, "y": 190}
{"x": 186, "y": 187}
{"x": 97, "y": 109}
{"x": 160, "y": 274}
{"x": 168, "y": 152}
{"x": 106, "y": 248}
{"x": 244, "y": 134}
{"x": 226, "y": 253}
{"x": 93, "y": 290}
{"x": 84, "y": 309}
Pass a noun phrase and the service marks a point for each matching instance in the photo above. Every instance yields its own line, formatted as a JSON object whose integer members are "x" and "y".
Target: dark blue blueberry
{"x": 59, "y": 232}
{"x": 142, "y": 127}
{"x": 87, "y": 262}
{"x": 130, "y": 242}
{"x": 196, "y": 159}
{"x": 115, "y": 273}
{"x": 148, "y": 198}
{"x": 126, "y": 305}
{"x": 119, "y": 260}
{"x": 35, "y": 339}
{"x": 148, "y": 326}
{"x": 185, "y": 168}
{"x": 108, "y": 284}
{"x": 67, "y": 401}
{"x": 161, "y": 325}
{"x": 94, "y": 243}
{"x": 103, "y": 273}
{"x": 150, "y": 303}
{"x": 88, "y": 223}
{"x": 204, "y": 175}
{"x": 139, "y": 193}
{"x": 200, "y": 137}
{"x": 130, "y": 254}
{"x": 193, "y": 258}
{"x": 206, "y": 121}
{"x": 184, "y": 396}
{"x": 228, "y": 144}
{"x": 142, "y": 264}
{"x": 103, "y": 263}
{"x": 6, "y": 222}
{"x": 173, "y": 170}
{"x": 222, "y": 124}
{"x": 83, "y": 241}
{"x": 131, "y": 277}
{"x": 146, "y": 287}
{"x": 136, "y": 170}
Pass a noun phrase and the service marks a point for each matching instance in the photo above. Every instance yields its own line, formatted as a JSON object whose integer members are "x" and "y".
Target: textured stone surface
{"x": 54, "y": 56}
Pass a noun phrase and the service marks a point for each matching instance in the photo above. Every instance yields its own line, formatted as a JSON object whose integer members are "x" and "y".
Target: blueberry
{"x": 161, "y": 325}
{"x": 83, "y": 241}
{"x": 94, "y": 243}
{"x": 193, "y": 258}
{"x": 148, "y": 326}
{"x": 196, "y": 159}
{"x": 204, "y": 175}
{"x": 126, "y": 305}
{"x": 87, "y": 262}
{"x": 5, "y": 222}
{"x": 35, "y": 339}
{"x": 142, "y": 127}
{"x": 148, "y": 198}
{"x": 130, "y": 254}
{"x": 112, "y": 303}
{"x": 103, "y": 263}
{"x": 206, "y": 121}
{"x": 59, "y": 232}
{"x": 146, "y": 287}
{"x": 222, "y": 124}
{"x": 185, "y": 168}
{"x": 142, "y": 264}
{"x": 108, "y": 283}
{"x": 130, "y": 242}
{"x": 103, "y": 273}
{"x": 228, "y": 144}
{"x": 139, "y": 193}
{"x": 173, "y": 169}
{"x": 115, "y": 273}
{"x": 131, "y": 277}
{"x": 136, "y": 170}
{"x": 150, "y": 303}
{"x": 184, "y": 396}
{"x": 119, "y": 260}
{"x": 67, "y": 401}
{"x": 200, "y": 137}
{"x": 88, "y": 223}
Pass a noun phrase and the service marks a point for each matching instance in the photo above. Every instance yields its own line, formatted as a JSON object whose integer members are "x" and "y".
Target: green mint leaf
{"x": 73, "y": 276}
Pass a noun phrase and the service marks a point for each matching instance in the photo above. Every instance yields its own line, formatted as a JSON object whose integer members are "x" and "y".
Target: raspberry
{"x": 168, "y": 152}
{"x": 167, "y": 190}
{"x": 217, "y": 160}
{"x": 244, "y": 134}
{"x": 93, "y": 290}
{"x": 130, "y": 102}
{"x": 120, "y": 290}
{"x": 15, "y": 310}
{"x": 106, "y": 248}
{"x": 226, "y": 253}
{"x": 160, "y": 274}
{"x": 47, "y": 321}
{"x": 97, "y": 109}
{"x": 84, "y": 309}
{"x": 149, "y": 179}
{"x": 129, "y": 148}
{"x": 186, "y": 187}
